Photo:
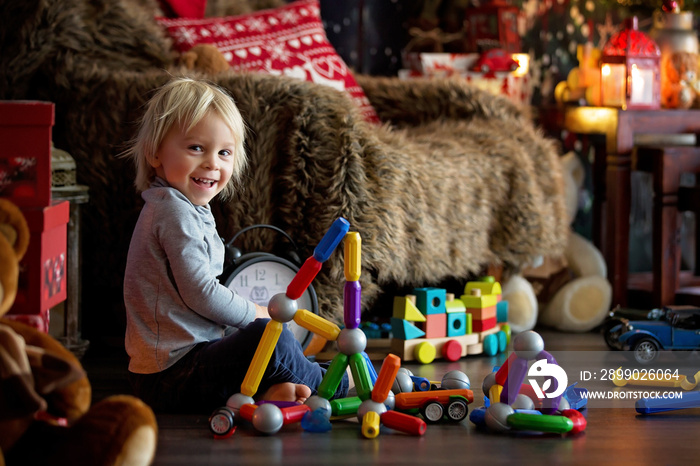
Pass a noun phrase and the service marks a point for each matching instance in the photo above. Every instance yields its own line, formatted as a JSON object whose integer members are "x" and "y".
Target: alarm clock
{"x": 258, "y": 276}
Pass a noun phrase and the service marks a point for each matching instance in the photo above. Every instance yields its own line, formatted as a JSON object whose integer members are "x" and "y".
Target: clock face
{"x": 261, "y": 278}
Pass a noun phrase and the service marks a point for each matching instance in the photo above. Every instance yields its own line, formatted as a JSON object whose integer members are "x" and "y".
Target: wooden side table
{"x": 621, "y": 131}
{"x": 76, "y": 195}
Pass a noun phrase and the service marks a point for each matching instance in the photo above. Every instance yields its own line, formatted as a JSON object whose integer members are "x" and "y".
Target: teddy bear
{"x": 571, "y": 292}
{"x": 205, "y": 58}
{"x": 46, "y": 411}
{"x": 679, "y": 80}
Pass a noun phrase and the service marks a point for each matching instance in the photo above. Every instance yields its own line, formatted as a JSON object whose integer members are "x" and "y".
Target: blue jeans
{"x": 211, "y": 372}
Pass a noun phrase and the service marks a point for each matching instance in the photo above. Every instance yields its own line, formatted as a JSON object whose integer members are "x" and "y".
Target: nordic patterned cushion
{"x": 289, "y": 40}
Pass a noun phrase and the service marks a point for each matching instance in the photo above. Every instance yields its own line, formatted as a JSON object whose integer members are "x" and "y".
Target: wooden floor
{"x": 615, "y": 433}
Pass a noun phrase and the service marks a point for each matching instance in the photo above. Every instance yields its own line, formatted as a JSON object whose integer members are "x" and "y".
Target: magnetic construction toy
{"x": 660, "y": 405}
{"x": 515, "y": 408}
{"x": 683, "y": 381}
{"x": 269, "y": 417}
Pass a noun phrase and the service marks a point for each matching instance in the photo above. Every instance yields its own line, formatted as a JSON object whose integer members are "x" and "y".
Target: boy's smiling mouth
{"x": 204, "y": 182}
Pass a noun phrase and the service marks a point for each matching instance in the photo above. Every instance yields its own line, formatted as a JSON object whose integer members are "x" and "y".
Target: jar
{"x": 674, "y": 32}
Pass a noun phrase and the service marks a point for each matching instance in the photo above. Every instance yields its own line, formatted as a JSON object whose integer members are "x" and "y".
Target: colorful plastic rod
{"x": 246, "y": 411}
{"x": 385, "y": 378}
{"x": 353, "y": 255}
{"x": 404, "y": 423}
{"x": 540, "y": 423}
{"x": 370, "y": 367}
{"x": 294, "y": 413}
{"x": 303, "y": 278}
{"x": 345, "y": 406}
{"x": 352, "y": 297}
{"x": 660, "y": 405}
{"x": 290, "y": 414}
{"x": 317, "y": 324}
{"x": 502, "y": 373}
{"x": 261, "y": 358}
{"x": 331, "y": 239}
{"x": 334, "y": 374}
{"x": 683, "y": 381}
{"x": 370, "y": 424}
{"x": 361, "y": 376}
{"x": 516, "y": 374}
{"x": 577, "y": 419}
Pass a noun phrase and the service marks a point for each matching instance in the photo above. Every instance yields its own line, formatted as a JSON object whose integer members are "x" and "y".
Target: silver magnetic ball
{"x": 402, "y": 383}
{"x": 390, "y": 401}
{"x": 237, "y": 400}
{"x": 455, "y": 379}
{"x": 563, "y": 404}
{"x": 316, "y": 402}
{"x": 489, "y": 381}
{"x": 523, "y": 401}
{"x": 369, "y": 405}
{"x": 351, "y": 341}
{"x": 405, "y": 371}
{"x": 267, "y": 418}
{"x": 281, "y": 308}
{"x": 528, "y": 345}
{"x": 496, "y": 416}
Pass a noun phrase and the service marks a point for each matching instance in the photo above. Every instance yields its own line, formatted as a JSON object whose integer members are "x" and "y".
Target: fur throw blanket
{"x": 455, "y": 179}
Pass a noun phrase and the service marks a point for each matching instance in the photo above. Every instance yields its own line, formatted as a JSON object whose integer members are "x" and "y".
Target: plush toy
{"x": 679, "y": 80}
{"x": 570, "y": 293}
{"x": 205, "y": 58}
{"x": 46, "y": 416}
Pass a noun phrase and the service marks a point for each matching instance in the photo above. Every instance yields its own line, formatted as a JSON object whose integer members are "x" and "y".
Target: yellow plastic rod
{"x": 353, "y": 256}
{"x": 495, "y": 392}
{"x": 370, "y": 424}
{"x": 261, "y": 358}
{"x": 317, "y": 324}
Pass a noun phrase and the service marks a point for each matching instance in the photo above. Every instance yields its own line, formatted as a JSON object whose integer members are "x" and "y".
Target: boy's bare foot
{"x": 287, "y": 391}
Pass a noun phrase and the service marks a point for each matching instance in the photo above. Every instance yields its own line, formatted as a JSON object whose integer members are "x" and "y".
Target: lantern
{"x": 493, "y": 23}
{"x": 630, "y": 75}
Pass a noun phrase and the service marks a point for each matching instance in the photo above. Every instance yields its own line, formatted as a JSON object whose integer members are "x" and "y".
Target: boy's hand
{"x": 261, "y": 312}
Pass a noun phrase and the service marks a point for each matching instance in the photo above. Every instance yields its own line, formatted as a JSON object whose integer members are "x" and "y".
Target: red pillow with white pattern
{"x": 288, "y": 40}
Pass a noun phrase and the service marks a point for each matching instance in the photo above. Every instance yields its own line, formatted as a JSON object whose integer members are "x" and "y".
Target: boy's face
{"x": 199, "y": 164}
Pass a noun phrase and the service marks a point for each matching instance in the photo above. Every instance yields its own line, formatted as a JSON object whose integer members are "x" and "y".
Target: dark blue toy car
{"x": 667, "y": 328}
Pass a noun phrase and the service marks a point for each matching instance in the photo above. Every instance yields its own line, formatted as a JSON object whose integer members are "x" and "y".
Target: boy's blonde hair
{"x": 184, "y": 102}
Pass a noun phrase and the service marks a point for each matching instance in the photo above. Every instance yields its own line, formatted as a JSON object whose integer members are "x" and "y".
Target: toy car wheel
{"x": 432, "y": 412}
{"x": 221, "y": 422}
{"x": 457, "y": 410}
{"x": 490, "y": 345}
{"x": 645, "y": 350}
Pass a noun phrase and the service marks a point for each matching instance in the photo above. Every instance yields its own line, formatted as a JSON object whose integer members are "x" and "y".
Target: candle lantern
{"x": 495, "y": 22}
{"x": 630, "y": 70}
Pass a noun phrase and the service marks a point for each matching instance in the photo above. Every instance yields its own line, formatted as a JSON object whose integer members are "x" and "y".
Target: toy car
{"x": 495, "y": 60}
{"x": 611, "y": 327}
{"x": 667, "y": 328}
{"x": 433, "y": 405}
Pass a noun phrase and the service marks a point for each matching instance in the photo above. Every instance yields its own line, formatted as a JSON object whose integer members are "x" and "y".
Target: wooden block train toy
{"x": 431, "y": 323}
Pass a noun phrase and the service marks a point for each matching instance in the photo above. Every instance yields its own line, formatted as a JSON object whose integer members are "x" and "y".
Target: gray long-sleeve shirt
{"x": 173, "y": 298}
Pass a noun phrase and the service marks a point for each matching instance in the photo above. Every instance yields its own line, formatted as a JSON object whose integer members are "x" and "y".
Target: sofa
{"x": 453, "y": 180}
